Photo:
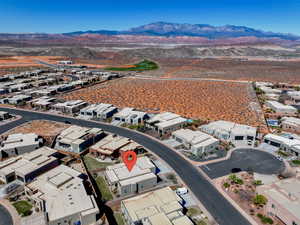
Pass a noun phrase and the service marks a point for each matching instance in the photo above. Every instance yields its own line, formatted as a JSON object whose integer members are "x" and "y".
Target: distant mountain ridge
{"x": 155, "y": 33}
{"x": 193, "y": 30}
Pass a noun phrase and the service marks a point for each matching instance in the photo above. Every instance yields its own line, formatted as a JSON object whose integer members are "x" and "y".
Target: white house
{"x": 237, "y": 134}
{"x": 129, "y": 116}
{"x": 286, "y": 144}
{"x": 290, "y": 124}
{"x": 99, "y": 111}
{"x": 61, "y": 195}
{"x": 166, "y": 122}
{"x": 281, "y": 108}
{"x": 70, "y": 107}
{"x": 160, "y": 207}
{"x": 18, "y": 144}
{"x": 140, "y": 178}
{"x": 197, "y": 141}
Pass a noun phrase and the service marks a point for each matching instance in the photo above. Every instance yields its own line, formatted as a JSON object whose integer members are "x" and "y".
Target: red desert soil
{"x": 193, "y": 99}
{"x": 231, "y": 69}
{"x": 46, "y": 129}
{"x": 26, "y": 61}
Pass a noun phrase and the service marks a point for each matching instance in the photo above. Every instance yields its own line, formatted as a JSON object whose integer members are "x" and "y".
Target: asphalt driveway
{"x": 245, "y": 159}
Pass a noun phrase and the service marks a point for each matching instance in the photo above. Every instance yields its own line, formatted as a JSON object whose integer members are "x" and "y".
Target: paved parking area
{"x": 245, "y": 159}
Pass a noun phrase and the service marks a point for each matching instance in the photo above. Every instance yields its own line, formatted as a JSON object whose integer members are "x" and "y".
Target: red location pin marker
{"x": 129, "y": 158}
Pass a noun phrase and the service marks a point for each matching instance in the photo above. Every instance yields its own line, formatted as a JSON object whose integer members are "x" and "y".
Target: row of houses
{"x": 55, "y": 190}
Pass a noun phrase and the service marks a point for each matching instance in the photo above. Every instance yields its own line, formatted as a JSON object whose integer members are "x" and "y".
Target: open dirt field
{"x": 26, "y": 61}
{"x": 231, "y": 69}
{"x": 193, "y": 99}
{"x": 43, "y": 128}
{"x": 218, "y": 68}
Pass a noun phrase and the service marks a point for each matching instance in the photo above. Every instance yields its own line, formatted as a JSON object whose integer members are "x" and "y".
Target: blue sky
{"x": 54, "y": 16}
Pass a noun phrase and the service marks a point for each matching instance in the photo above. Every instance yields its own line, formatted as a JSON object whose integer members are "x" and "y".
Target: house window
{"x": 273, "y": 206}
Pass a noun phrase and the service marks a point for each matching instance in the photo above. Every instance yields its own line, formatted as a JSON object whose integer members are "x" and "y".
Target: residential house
{"x": 60, "y": 193}
{"x": 158, "y": 207}
{"x": 28, "y": 166}
{"x": 166, "y": 122}
{"x": 18, "y": 144}
{"x": 196, "y": 141}
{"x": 237, "y": 134}
{"x": 76, "y": 139}
{"x": 125, "y": 182}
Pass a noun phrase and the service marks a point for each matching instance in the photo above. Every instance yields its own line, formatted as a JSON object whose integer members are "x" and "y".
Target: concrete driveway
{"x": 245, "y": 159}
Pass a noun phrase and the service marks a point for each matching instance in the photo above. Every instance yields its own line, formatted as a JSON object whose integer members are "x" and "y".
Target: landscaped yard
{"x": 141, "y": 66}
{"x": 106, "y": 194}
{"x": 296, "y": 162}
{"x": 23, "y": 207}
{"x": 94, "y": 164}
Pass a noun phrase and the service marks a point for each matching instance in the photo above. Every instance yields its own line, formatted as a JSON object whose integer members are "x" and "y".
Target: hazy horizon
{"x": 69, "y": 16}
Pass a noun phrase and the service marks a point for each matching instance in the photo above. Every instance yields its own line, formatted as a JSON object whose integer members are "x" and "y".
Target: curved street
{"x": 5, "y": 217}
{"x": 223, "y": 212}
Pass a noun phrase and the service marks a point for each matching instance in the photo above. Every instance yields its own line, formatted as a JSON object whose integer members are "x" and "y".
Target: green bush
{"x": 23, "y": 208}
{"x": 257, "y": 182}
{"x": 265, "y": 219}
{"x": 226, "y": 185}
{"x": 296, "y": 162}
{"x": 235, "y": 179}
{"x": 260, "y": 200}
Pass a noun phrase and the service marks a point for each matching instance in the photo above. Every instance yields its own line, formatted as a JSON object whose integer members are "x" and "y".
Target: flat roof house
{"x": 281, "y": 108}
{"x": 129, "y": 116}
{"x": 283, "y": 200}
{"x": 4, "y": 115}
{"x": 44, "y": 102}
{"x": 238, "y": 134}
{"x": 28, "y": 166}
{"x": 197, "y": 141}
{"x": 269, "y": 90}
{"x": 160, "y": 207}
{"x": 61, "y": 195}
{"x": 70, "y": 107}
{"x": 284, "y": 143}
{"x": 18, "y": 99}
{"x": 18, "y": 144}
{"x": 139, "y": 179}
{"x": 109, "y": 146}
{"x": 100, "y": 111}
{"x": 166, "y": 122}
{"x": 290, "y": 124}
{"x": 76, "y": 139}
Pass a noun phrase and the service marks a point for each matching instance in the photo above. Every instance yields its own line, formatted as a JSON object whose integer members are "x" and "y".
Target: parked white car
{"x": 181, "y": 191}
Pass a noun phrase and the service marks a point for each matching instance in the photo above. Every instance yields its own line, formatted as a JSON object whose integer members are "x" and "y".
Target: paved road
{"x": 188, "y": 79}
{"x": 245, "y": 159}
{"x": 208, "y": 195}
{"x": 5, "y": 217}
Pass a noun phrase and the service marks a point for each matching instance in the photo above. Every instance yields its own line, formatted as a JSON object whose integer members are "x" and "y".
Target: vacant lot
{"x": 26, "y": 61}
{"x": 194, "y": 99}
{"x": 232, "y": 69}
{"x": 43, "y": 128}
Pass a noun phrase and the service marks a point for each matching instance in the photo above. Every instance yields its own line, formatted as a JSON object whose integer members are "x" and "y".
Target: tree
{"x": 260, "y": 200}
